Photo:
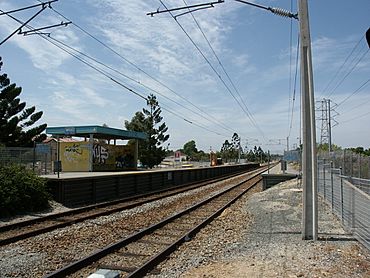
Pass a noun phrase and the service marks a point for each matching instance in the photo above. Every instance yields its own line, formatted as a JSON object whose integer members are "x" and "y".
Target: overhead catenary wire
{"x": 355, "y": 107}
{"x": 290, "y": 81}
{"x": 139, "y": 83}
{"x": 215, "y": 120}
{"x": 290, "y": 64}
{"x": 342, "y": 65}
{"x": 23, "y": 24}
{"x": 363, "y": 85}
{"x": 356, "y": 118}
{"x": 277, "y": 11}
{"x": 294, "y": 86}
{"x": 348, "y": 73}
{"x": 42, "y": 4}
{"x": 195, "y": 7}
{"x": 192, "y": 122}
{"x": 220, "y": 63}
{"x": 107, "y": 75}
{"x": 214, "y": 70}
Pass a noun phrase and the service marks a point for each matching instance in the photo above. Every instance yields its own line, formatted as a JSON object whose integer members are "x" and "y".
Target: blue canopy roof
{"x": 99, "y": 132}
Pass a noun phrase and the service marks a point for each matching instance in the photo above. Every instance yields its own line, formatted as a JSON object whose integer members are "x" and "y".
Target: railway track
{"x": 30, "y": 228}
{"x": 140, "y": 252}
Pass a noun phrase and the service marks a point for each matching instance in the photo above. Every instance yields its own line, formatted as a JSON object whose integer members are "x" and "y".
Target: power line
{"x": 295, "y": 86}
{"x": 139, "y": 83}
{"x": 277, "y": 11}
{"x": 43, "y": 6}
{"x": 135, "y": 92}
{"x": 290, "y": 63}
{"x": 354, "y": 92}
{"x": 214, "y": 70}
{"x": 109, "y": 76}
{"x": 220, "y": 63}
{"x": 141, "y": 70}
{"x": 192, "y": 122}
{"x": 351, "y": 70}
{"x": 23, "y": 24}
{"x": 131, "y": 90}
{"x": 355, "y": 107}
{"x": 341, "y": 67}
{"x": 355, "y": 118}
{"x": 194, "y": 7}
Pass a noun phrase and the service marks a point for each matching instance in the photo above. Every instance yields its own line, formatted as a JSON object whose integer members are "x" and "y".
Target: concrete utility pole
{"x": 287, "y": 144}
{"x": 329, "y": 126}
{"x": 309, "y": 160}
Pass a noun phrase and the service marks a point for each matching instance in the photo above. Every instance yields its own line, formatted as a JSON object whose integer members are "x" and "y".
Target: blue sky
{"x": 252, "y": 44}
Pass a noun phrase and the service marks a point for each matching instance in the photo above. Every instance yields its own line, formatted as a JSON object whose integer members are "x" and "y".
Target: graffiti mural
{"x": 100, "y": 154}
{"x": 113, "y": 157}
{"x": 74, "y": 156}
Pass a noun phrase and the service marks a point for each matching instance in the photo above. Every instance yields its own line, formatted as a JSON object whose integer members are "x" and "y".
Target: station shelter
{"x": 98, "y": 151}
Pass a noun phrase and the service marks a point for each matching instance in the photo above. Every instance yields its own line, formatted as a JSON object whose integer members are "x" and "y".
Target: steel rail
{"x": 155, "y": 260}
{"x": 88, "y": 260}
{"x": 61, "y": 223}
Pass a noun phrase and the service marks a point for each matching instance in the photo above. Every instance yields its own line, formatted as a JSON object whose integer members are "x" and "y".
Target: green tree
{"x": 325, "y": 147}
{"x": 360, "y": 150}
{"x": 236, "y": 146}
{"x": 190, "y": 149}
{"x": 16, "y": 120}
{"x": 151, "y": 152}
{"x": 251, "y": 156}
{"x": 201, "y": 156}
{"x": 230, "y": 150}
{"x": 257, "y": 155}
{"x": 226, "y": 150}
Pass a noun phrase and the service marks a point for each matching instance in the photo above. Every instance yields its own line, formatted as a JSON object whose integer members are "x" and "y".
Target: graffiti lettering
{"x": 100, "y": 154}
{"x": 75, "y": 148}
{"x": 72, "y": 153}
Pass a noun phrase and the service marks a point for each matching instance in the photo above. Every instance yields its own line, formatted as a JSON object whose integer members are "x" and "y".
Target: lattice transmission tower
{"x": 326, "y": 114}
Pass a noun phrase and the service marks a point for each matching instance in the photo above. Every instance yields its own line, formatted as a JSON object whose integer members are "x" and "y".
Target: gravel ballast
{"x": 42, "y": 254}
{"x": 260, "y": 236}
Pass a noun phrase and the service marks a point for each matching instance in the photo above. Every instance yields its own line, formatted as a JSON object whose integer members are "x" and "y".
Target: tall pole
{"x": 329, "y": 125}
{"x": 287, "y": 144}
{"x": 239, "y": 149}
{"x": 58, "y": 156}
{"x": 309, "y": 162}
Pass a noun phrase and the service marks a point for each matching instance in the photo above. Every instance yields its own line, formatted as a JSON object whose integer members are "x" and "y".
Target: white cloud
{"x": 43, "y": 54}
{"x": 158, "y": 42}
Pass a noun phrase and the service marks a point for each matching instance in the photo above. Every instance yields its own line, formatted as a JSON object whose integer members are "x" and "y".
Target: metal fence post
{"x": 351, "y": 164}
{"x": 359, "y": 165}
{"x": 344, "y": 162}
{"x": 332, "y": 185}
{"x": 323, "y": 178}
{"x": 353, "y": 216}
{"x": 341, "y": 194}
{"x": 45, "y": 163}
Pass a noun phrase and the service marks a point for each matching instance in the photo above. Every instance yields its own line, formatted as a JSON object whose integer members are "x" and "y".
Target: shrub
{"x": 21, "y": 191}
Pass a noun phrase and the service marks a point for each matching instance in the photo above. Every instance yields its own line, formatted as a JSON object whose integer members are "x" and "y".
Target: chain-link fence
{"x": 38, "y": 159}
{"x": 348, "y": 196}
{"x": 352, "y": 164}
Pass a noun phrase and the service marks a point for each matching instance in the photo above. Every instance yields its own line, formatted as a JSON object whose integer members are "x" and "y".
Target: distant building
{"x": 173, "y": 160}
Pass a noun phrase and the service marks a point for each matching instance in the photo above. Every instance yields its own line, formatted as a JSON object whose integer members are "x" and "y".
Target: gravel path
{"x": 260, "y": 236}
